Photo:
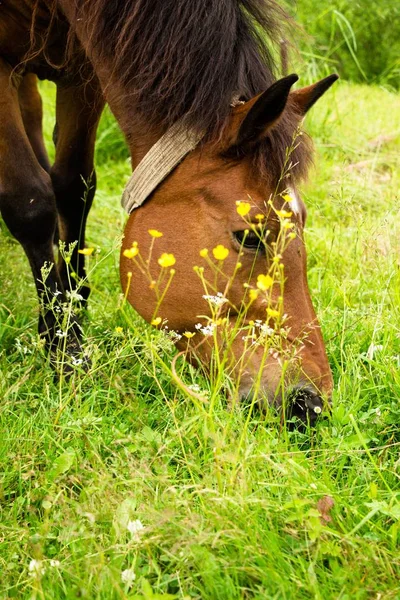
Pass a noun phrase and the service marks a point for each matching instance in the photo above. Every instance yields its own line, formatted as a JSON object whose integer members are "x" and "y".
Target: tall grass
{"x": 359, "y": 39}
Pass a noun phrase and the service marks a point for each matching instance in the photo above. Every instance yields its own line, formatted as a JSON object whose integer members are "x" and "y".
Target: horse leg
{"x": 28, "y": 207}
{"x": 74, "y": 180}
{"x": 30, "y": 104}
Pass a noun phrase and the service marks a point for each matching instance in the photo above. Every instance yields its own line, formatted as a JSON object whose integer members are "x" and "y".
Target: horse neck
{"x": 139, "y": 134}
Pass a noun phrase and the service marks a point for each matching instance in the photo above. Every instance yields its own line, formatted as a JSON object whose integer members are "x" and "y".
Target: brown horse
{"x": 161, "y": 63}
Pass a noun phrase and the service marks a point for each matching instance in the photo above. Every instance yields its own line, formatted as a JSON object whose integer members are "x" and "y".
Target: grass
{"x": 230, "y": 502}
{"x": 356, "y": 38}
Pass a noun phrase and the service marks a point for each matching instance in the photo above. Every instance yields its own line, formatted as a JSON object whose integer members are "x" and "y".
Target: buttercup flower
{"x": 285, "y": 214}
{"x": 203, "y": 253}
{"x": 287, "y": 224}
{"x": 166, "y": 260}
{"x": 253, "y": 294}
{"x": 243, "y": 208}
{"x": 260, "y": 217}
{"x": 264, "y": 282}
{"x": 131, "y": 252}
{"x": 189, "y": 334}
{"x": 220, "y": 252}
{"x": 155, "y": 233}
{"x": 272, "y": 313}
{"x": 86, "y": 251}
{"x": 156, "y": 321}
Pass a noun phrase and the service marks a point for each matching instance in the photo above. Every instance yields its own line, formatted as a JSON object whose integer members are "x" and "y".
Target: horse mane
{"x": 189, "y": 58}
{"x": 186, "y": 58}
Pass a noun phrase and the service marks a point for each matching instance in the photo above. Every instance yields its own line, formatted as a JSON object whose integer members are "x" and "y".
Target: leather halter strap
{"x": 159, "y": 162}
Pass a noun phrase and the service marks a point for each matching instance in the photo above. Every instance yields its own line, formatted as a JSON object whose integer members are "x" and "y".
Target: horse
{"x": 216, "y": 149}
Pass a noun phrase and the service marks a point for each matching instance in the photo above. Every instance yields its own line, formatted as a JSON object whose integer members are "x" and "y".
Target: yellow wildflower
{"x": 260, "y": 217}
{"x": 86, "y": 251}
{"x": 264, "y": 282}
{"x": 203, "y": 253}
{"x": 287, "y": 224}
{"x": 119, "y": 330}
{"x": 156, "y": 321}
{"x": 131, "y": 252}
{"x": 155, "y": 233}
{"x": 243, "y": 208}
{"x": 272, "y": 313}
{"x": 284, "y": 214}
{"x": 253, "y": 295}
{"x": 292, "y": 235}
{"x": 288, "y": 198}
{"x": 166, "y": 260}
{"x": 221, "y": 321}
{"x": 220, "y": 252}
{"x": 189, "y": 334}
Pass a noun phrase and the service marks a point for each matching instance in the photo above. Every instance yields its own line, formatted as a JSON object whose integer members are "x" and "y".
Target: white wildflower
{"x": 77, "y": 361}
{"x": 74, "y": 296}
{"x": 266, "y": 330}
{"x": 128, "y": 577}
{"x": 36, "y": 568}
{"x": 194, "y": 387}
{"x": 173, "y": 335}
{"x": 135, "y": 527}
{"x": 54, "y": 562}
{"x": 206, "y": 329}
{"x": 61, "y": 334}
{"x": 217, "y": 300}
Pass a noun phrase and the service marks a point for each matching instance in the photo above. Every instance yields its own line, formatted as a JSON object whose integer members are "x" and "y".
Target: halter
{"x": 158, "y": 163}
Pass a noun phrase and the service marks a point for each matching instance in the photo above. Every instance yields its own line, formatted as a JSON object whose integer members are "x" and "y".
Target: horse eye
{"x": 252, "y": 240}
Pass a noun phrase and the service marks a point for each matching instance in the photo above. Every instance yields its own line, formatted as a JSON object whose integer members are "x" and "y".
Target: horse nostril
{"x": 305, "y": 404}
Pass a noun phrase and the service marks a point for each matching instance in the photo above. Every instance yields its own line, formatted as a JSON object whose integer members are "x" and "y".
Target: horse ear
{"x": 305, "y": 98}
{"x": 263, "y": 111}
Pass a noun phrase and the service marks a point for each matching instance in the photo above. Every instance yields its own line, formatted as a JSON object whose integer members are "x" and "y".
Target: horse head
{"x": 217, "y": 254}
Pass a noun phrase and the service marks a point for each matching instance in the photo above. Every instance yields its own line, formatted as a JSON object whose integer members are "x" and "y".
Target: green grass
{"x": 228, "y": 499}
{"x": 357, "y": 39}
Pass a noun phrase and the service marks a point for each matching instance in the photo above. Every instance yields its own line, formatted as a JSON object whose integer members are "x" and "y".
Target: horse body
{"x": 38, "y": 202}
{"x": 158, "y": 63}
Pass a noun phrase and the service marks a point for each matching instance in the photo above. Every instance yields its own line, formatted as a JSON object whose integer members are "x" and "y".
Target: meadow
{"x": 116, "y": 484}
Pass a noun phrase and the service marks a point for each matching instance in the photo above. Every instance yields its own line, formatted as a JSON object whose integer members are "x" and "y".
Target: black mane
{"x": 186, "y": 57}
{"x": 190, "y": 58}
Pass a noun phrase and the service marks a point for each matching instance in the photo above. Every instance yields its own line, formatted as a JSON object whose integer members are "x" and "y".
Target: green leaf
{"x": 125, "y": 512}
{"x": 63, "y": 463}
